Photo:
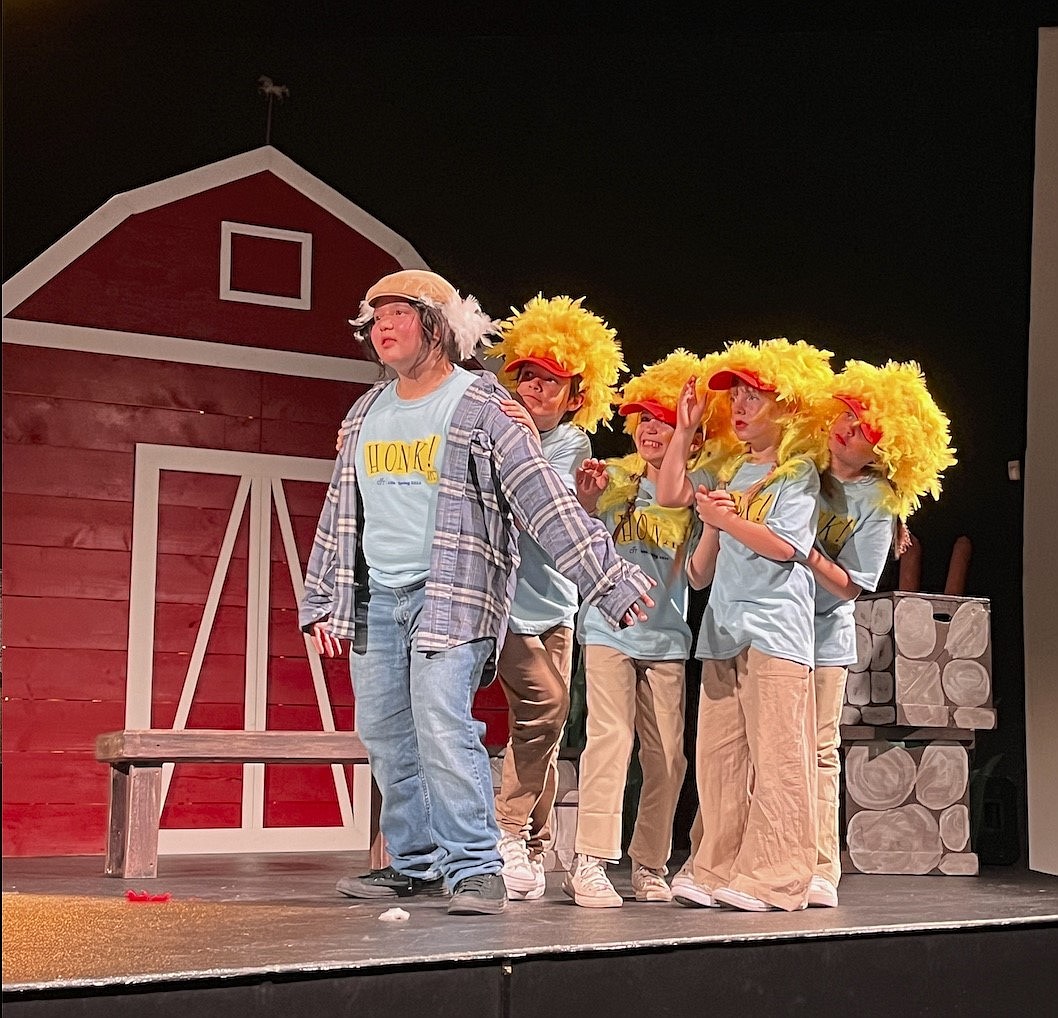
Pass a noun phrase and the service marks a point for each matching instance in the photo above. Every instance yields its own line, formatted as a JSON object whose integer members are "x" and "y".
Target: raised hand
{"x": 690, "y": 409}
{"x": 591, "y": 480}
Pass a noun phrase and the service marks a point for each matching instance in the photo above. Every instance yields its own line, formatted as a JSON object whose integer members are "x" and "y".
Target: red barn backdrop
{"x": 174, "y": 370}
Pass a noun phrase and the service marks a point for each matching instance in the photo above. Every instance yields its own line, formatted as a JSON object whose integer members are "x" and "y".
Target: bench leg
{"x": 134, "y": 816}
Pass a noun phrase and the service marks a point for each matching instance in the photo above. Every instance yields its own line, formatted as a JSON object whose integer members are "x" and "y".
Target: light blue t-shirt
{"x": 665, "y": 635}
{"x": 398, "y": 465}
{"x": 543, "y": 597}
{"x": 855, "y": 532}
{"x": 755, "y": 601}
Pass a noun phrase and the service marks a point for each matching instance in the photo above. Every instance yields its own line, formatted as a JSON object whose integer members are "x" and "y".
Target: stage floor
{"x": 65, "y": 925}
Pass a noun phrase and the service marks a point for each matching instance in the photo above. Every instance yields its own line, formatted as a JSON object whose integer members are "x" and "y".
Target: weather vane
{"x": 272, "y": 91}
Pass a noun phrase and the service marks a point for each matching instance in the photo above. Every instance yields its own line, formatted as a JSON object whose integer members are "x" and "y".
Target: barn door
{"x": 214, "y": 643}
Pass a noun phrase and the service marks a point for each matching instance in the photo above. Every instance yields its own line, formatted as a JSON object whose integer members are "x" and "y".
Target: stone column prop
{"x": 923, "y": 660}
{"x": 907, "y": 809}
{"x": 920, "y": 687}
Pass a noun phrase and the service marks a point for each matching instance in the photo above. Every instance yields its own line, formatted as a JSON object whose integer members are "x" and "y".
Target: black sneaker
{"x": 485, "y": 894}
{"x": 388, "y": 883}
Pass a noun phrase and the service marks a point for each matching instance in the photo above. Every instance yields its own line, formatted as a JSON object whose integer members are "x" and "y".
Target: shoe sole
{"x": 534, "y": 895}
{"x": 762, "y": 907}
{"x": 369, "y": 895}
{"x": 586, "y": 902}
{"x": 653, "y": 896}
{"x": 376, "y": 893}
{"x": 814, "y": 902}
{"x": 478, "y": 907}
{"x": 748, "y": 908}
{"x": 688, "y": 902}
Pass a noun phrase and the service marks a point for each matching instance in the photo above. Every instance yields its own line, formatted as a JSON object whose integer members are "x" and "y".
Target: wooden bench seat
{"x": 136, "y": 758}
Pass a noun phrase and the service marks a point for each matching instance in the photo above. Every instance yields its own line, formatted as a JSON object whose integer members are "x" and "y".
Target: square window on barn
{"x": 264, "y": 265}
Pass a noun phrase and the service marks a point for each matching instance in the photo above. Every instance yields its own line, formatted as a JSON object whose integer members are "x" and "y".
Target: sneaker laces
{"x": 644, "y": 876}
{"x": 476, "y": 883}
{"x": 592, "y": 874}
{"x": 514, "y": 850}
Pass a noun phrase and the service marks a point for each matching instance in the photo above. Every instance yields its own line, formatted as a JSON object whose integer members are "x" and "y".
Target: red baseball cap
{"x": 547, "y": 363}
{"x": 872, "y": 434}
{"x": 727, "y": 378}
{"x": 649, "y": 406}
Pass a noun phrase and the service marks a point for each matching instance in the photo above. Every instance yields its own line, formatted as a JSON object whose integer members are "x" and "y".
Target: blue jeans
{"x": 425, "y": 748}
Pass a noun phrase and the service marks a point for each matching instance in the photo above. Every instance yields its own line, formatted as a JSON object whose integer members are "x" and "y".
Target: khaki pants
{"x": 830, "y": 693}
{"x": 756, "y": 778}
{"x": 625, "y": 697}
{"x": 534, "y": 672}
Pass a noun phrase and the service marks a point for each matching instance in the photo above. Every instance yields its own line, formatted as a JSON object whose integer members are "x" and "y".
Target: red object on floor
{"x": 147, "y": 896}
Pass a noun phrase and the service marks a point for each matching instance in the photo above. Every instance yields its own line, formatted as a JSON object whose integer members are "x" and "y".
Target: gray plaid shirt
{"x": 492, "y": 474}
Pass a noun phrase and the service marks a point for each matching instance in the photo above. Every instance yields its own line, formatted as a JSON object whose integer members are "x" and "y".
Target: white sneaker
{"x": 746, "y": 902}
{"x": 691, "y": 895}
{"x": 822, "y": 893}
{"x": 648, "y": 884}
{"x": 523, "y": 877}
{"x": 536, "y": 864}
{"x": 589, "y": 886}
{"x": 684, "y": 875}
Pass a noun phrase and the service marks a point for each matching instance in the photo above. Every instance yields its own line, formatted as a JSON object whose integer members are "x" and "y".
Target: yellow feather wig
{"x": 562, "y": 329}
{"x": 801, "y": 376}
{"x": 721, "y": 443}
{"x": 915, "y": 448}
{"x": 662, "y": 382}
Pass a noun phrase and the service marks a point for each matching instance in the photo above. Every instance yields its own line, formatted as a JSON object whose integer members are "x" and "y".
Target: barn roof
{"x": 250, "y": 262}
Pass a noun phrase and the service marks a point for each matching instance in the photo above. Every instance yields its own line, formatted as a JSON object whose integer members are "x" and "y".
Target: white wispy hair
{"x": 363, "y": 318}
{"x": 470, "y": 325}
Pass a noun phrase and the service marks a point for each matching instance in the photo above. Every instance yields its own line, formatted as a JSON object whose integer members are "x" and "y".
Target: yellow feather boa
{"x": 673, "y": 525}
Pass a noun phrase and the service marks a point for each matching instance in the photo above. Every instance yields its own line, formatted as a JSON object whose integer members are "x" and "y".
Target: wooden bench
{"x": 136, "y": 758}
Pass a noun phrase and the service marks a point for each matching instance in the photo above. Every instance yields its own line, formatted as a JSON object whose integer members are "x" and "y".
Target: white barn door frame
{"x": 260, "y": 490}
